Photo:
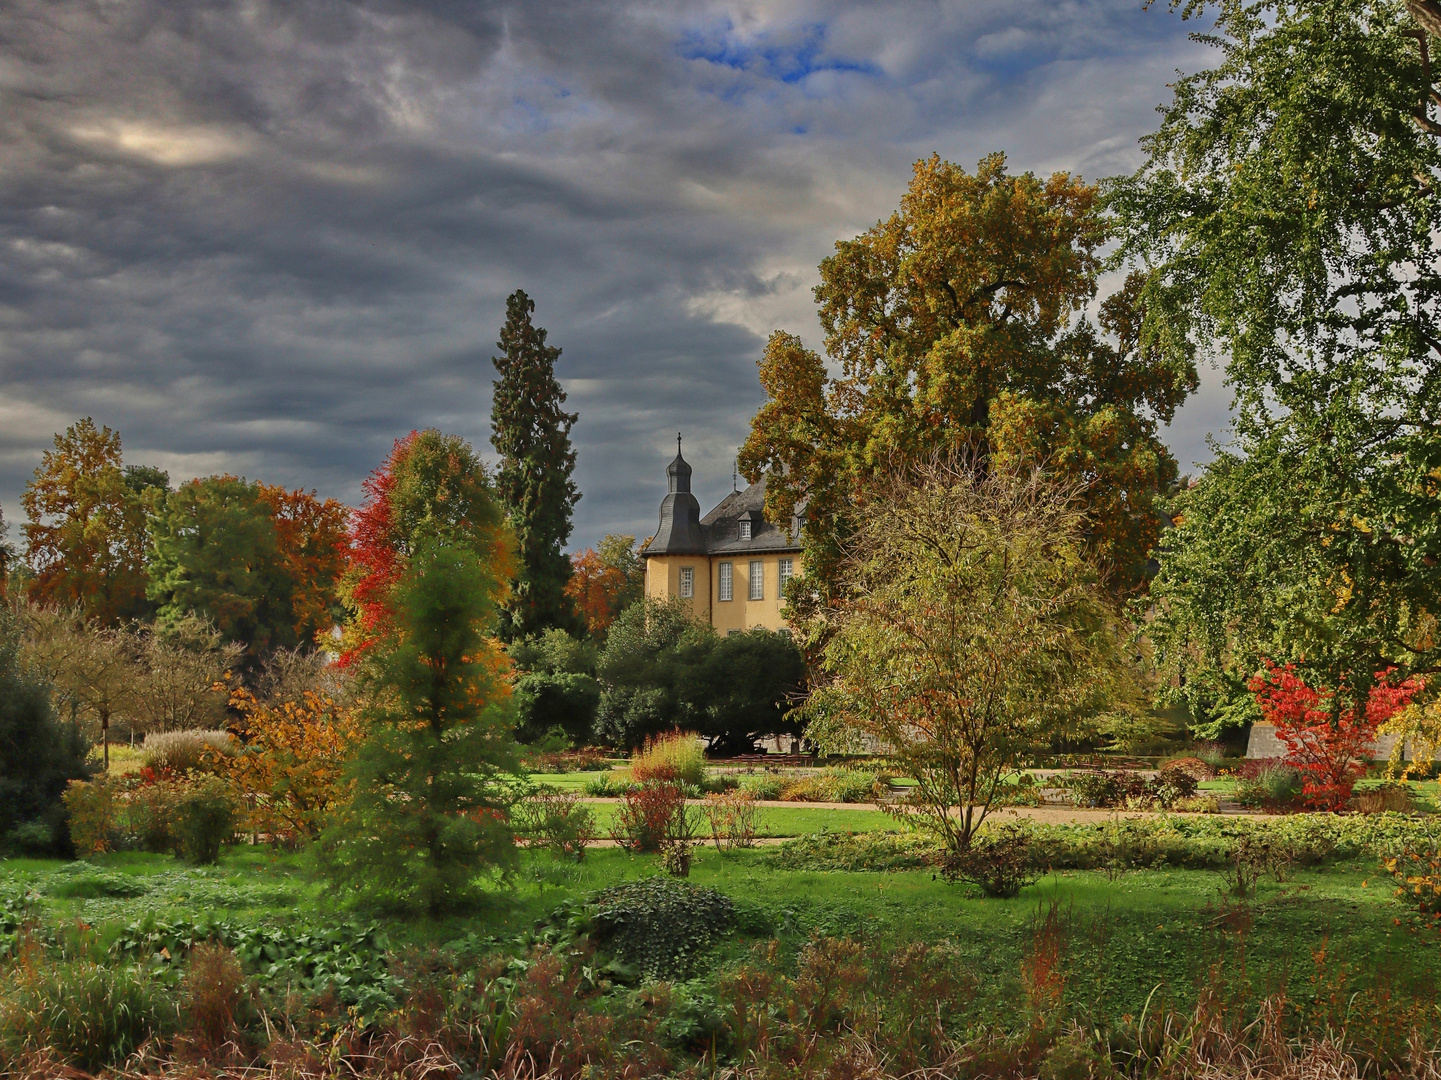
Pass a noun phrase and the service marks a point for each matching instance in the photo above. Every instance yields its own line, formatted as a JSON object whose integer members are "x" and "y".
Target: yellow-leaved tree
{"x": 291, "y": 773}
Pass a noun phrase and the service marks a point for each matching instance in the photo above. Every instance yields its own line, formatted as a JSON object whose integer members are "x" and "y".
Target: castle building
{"x": 731, "y": 566}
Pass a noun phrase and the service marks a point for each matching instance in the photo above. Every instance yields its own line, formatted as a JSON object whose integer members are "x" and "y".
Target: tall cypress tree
{"x": 531, "y": 432}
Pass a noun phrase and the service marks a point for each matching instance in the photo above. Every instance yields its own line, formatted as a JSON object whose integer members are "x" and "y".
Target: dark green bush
{"x": 564, "y": 700}
{"x": 661, "y": 925}
{"x": 204, "y": 821}
{"x": 1000, "y": 861}
{"x": 39, "y": 755}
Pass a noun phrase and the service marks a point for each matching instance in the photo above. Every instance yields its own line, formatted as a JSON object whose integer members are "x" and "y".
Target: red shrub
{"x": 1328, "y": 752}
{"x": 647, "y": 818}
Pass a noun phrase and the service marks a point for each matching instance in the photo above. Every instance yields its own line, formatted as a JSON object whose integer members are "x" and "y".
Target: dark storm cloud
{"x": 271, "y": 237}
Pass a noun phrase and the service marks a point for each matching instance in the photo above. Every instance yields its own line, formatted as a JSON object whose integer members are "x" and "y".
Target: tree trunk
{"x": 1427, "y": 14}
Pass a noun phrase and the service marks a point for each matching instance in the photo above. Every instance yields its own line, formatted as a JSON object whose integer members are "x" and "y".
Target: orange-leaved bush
{"x": 291, "y": 773}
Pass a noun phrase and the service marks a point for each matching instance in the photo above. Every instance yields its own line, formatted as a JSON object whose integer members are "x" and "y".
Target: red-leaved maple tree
{"x": 374, "y": 554}
{"x": 431, "y": 487}
{"x": 1328, "y": 751}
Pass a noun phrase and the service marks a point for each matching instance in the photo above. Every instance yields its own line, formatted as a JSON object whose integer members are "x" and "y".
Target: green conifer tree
{"x": 428, "y": 817}
{"x": 531, "y": 432}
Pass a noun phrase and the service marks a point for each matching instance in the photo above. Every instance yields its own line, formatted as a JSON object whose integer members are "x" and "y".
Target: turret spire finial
{"x": 677, "y": 444}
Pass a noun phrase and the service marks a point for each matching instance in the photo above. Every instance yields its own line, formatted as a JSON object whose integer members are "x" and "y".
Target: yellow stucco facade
{"x": 663, "y": 581}
{"x": 730, "y": 566}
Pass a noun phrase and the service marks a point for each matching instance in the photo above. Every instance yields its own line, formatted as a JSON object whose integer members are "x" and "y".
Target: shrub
{"x": 1194, "y": 767}
{"x": 1100, "y": 789}
{"x": 606, "y": 786}
{"x": 185, "y": 751}
{"x": 1417, "y": 873}
{"x": 661, "y": 925}
{"x": 1000, "y": 861}
{"x": 674, "y": 758}
{"x": 1198, "y": 804}
{"x": 211, "y": 994}
{"x": 564, "y": 761}
{"x": 1328, "y": 750}
{"x": 558, "y": 820}
{"x": 90, "y": 1015}
{"x": 1255, "y": 853}
{"x": 836, "y": 785}
{"x": 732, "y": 818}
{"x": 762, "y": 788}
{"x": 91, "y": 806}
{"x": 1268, "y": 784}
{"x": 150, "y": 815}
{"x": 1171, "y": 786}
{"x": 204, "y": 821}
{"x": 290, "y": 776}
{"x": 33, "y": 838}
{"x": 857, "y": 851}
{"x": 647, "y": 816}
{"x": 1383, "y": 798}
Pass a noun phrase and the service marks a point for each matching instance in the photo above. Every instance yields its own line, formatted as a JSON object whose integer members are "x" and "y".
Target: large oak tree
{"x": 85, "y": 531}
{"x": 955, "y": 323}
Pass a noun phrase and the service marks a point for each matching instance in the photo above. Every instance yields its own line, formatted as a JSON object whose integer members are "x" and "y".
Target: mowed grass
{"x": 780, "y": 821}
{"x": 1125, "y": 936}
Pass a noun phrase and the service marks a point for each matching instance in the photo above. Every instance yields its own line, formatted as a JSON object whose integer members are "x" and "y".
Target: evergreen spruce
{"x": 531, "y": 432}
{"x": 429, "y": 815}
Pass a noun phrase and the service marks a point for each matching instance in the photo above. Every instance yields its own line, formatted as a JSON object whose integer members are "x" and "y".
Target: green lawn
{"x": 785, "y": 821}
{"x": 1125, "y": 935}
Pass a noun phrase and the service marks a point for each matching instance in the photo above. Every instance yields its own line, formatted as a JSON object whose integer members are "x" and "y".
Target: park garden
{"x": 291, "y": 789}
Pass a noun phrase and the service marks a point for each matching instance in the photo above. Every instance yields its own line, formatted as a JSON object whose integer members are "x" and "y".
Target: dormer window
{"x": 745, "y": 525}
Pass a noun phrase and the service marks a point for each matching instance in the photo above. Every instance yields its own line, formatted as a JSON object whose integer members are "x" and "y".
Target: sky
{"x": 269, "y": 238}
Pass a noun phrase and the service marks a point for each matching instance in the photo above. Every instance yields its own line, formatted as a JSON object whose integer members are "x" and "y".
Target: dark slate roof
{"x": 682, "y": 531}
{"x": 679, "y": 532}
{"x": 722, "y": 526}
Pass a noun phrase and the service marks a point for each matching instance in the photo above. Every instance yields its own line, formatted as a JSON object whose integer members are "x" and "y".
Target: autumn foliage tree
{"x": 290, "y": 774}
{"x": 1327, "y": 739}
{"x": 85, "y": 530}
{"x": 968, "y": 631}
{"x": 605, "y": 581}
{"x": 430, "y": 487}
{"x": 954, "y": 324}
{"x": 311, "y": 538}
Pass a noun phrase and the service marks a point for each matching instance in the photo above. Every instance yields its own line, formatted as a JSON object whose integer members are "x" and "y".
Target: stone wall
{"x": 1264, "y": 744}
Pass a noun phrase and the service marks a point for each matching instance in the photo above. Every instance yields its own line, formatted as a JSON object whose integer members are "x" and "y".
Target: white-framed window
{"x": 787, "y": 571}
{"x": 733, "y": 633}
{"x": 757, "y": 580}
{"x": 726, "y": 573}
{"x": 745, "y": 524}
{"x": 687, "y": 581}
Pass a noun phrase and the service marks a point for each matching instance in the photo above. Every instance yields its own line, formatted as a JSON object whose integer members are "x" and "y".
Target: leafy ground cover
{"x": 1102, "y": 942}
